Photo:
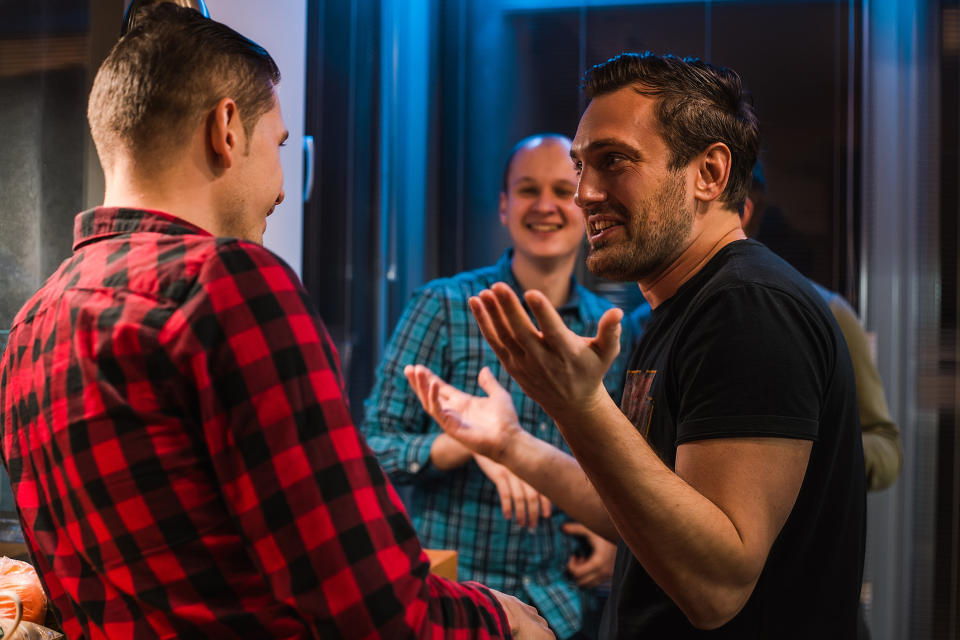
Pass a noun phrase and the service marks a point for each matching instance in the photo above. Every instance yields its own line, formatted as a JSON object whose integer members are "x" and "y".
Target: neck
{"x": 185, "y": 194}
{"x": 716, "y": 232}
{"x": 550, "y": 276}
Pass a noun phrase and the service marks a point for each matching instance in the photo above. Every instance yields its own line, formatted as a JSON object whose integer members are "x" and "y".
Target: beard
{"x": 657, "y": 230}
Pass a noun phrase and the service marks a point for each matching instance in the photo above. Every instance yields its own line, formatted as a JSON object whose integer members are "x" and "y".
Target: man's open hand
{"x": 553, "y": 365}
{"x": 484, "y": 425}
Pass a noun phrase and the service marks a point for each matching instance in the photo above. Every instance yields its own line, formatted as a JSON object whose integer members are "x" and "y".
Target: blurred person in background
{"x": 507, "y": 534}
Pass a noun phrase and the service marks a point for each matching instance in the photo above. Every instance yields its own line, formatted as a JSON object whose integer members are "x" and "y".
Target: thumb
{"x": 488, "y": 382}
{"x": 607, "y": 342}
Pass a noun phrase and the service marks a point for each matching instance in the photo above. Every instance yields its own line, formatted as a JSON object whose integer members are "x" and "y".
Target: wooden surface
{"x": 15, "y": 550}
{"x": 443, "y": 562}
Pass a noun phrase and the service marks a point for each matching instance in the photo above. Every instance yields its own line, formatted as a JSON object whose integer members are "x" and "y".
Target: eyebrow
{"x": 605, "y": 142}
{"x": 522, "y": 179}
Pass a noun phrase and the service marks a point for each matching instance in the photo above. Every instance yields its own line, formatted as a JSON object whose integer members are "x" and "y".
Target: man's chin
{"x": 611, "y": 266}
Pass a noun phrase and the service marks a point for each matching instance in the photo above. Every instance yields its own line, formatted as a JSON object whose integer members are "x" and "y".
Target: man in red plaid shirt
{"x": 173, "y": 417}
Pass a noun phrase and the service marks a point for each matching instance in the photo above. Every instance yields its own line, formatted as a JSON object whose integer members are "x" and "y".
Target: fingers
{"x": 545, "y": 506}
{"x": 430, "y": 389}
{"x": 487, "y": 328}
{"x": 502, "y": 320}
{"x": 532, "y": 499}
{"x": 607, "y": 342}
{"x": 519, "y": 503}
{"x": 506, "y": 497}
{"x": 512, "y": 310}
{"x": 517, "y": 498}
{"x": 575, "y": 529}
{"x": 550, "y": 322}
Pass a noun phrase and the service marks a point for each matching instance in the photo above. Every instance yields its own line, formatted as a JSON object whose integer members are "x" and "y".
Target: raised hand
{"x": 597, "y": 568}
{"x": 525, "y": 621}
{"x": 553, "y": 365}
{"x": 484, "y": 425}
{"x": 517, "y": 498}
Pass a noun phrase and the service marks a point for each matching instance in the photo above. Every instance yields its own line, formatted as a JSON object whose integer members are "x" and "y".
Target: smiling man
{"x": 172, "y": 411}
{"x": 508, "y": 536}
{"x": 732, "y": 471}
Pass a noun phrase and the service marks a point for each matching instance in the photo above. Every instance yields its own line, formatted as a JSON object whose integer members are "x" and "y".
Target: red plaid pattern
{"x": 184, "y": 463}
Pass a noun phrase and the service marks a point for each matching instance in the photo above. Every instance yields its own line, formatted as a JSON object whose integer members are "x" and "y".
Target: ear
{"x": 225, "y": 132}
{"x": 713, "y": 171}
{"x": 503, "y": 208}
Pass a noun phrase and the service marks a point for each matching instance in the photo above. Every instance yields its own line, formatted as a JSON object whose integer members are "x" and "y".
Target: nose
{"x": 546, "y": 202}
{"x": 588, "y": 192}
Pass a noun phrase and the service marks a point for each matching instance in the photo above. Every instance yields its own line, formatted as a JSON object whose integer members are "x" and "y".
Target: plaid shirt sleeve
{"x": 321, "y": 521}
{"x": 399, "y": 431}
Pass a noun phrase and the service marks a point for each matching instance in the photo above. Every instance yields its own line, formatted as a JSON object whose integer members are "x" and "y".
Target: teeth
{"x": 544, "y": 227}
{"x": 600, "y": 225}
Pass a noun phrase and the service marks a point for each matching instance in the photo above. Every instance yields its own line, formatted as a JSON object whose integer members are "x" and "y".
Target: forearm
{"x": 689, "y": 546}
{"x": 883, "y": 457}
{"x": 558, "y": 476}
{"x": 446, "y": 453}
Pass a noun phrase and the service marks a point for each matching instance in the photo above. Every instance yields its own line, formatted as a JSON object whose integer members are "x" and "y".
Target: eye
{"x": 563, "y": 192}
{"x": 578, "y": 167}
{"x": 611, "y": 160}
{"x": 528, "y": 191}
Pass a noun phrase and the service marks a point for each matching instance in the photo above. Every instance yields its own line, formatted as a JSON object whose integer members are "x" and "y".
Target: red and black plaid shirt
{"x": 183, "y": 460}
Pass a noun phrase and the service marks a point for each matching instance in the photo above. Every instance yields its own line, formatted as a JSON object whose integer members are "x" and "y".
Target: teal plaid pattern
{"x": 460, "y": 509}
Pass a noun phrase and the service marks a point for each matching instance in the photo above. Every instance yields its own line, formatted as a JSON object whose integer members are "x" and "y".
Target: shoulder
{"x": 233, "y": 273}
{"x": 459, "y": 287}
{"x": 748, "y": 268}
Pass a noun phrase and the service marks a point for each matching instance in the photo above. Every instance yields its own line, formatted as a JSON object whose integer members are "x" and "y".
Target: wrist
{"x": 594, "y": 404}
{"x": 515, "y": 448}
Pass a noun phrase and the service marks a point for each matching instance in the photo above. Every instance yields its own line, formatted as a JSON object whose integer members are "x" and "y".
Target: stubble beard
{"x": 652, "y": 241}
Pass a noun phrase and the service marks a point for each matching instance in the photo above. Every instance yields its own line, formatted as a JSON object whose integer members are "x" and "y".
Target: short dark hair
{"x": 163, "y": 76}
{"x": 697, "y": 104}
{"x": 523, "y": 144}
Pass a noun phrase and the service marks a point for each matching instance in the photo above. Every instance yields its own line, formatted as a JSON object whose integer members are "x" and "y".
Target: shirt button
{"x": 543, "y": 427}
{"x": 526, "y": 580}
{"x": 414, "y": 467}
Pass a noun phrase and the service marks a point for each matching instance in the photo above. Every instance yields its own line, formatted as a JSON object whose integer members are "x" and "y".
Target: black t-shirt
{"x": 747, "y": 348}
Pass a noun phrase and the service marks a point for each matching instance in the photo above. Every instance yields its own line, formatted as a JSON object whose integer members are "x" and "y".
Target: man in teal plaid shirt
{"x": 508, "y": 536}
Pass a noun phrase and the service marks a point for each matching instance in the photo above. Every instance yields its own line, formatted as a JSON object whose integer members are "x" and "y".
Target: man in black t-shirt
{"x": 732, "y": 471}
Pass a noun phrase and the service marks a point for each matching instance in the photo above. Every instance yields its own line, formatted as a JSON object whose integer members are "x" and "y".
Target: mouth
{"x": 543, "y": 227}
{"x": 600, "y": 226}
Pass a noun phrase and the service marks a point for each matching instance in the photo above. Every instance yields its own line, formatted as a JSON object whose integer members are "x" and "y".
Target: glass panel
{"x": 807, "y": 127}
{"x": 45, "y": 57}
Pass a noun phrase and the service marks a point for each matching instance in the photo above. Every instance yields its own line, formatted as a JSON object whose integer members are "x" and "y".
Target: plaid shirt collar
{"x": 504, "y": 273}
{"x": 106, "y": 222}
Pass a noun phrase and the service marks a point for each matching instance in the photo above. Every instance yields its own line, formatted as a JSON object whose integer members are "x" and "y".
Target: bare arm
{"x": 702, "y": 532}
{"x": 489, "y": 426}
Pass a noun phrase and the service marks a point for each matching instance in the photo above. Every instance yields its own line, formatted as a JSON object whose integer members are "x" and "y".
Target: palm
{"x": 553, "y": 365}
{"x": 482, "y": 424}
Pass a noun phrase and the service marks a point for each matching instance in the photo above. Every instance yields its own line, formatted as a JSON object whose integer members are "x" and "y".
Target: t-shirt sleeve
{"x": 753, "y": 361}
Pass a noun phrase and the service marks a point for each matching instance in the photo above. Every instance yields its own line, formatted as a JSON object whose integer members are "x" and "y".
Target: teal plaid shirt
{"x": 460, "y": 509}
